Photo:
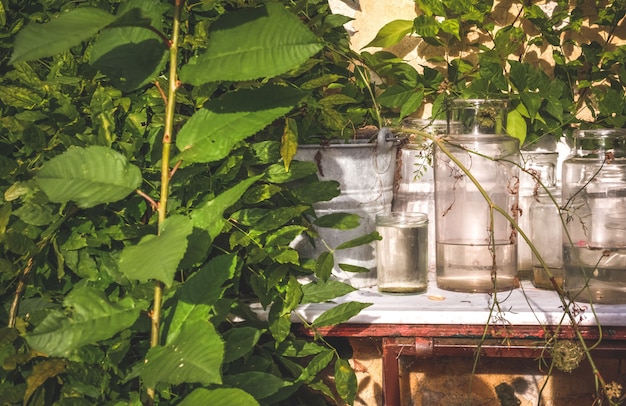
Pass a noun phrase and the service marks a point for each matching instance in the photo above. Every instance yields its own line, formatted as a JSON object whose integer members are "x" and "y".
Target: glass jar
{"x": 414, "y": 189}
{"x": 402, "y": 253}
{"x": 546, "y": 230}
{"x": 540, "y": 165}
{"x": 476, "y": 248}
{"x": 594, "y": 202}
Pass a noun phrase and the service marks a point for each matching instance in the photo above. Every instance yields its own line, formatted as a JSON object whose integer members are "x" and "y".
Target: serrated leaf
{"x": 391, "y": 33}
{"x": 345, "y": 381}
{"x": 59, "y": 34}
{"x": 269, "y": 41}
{"x": 338, "y": 221}
{"x": 90, "y": 318}
{"x": 195, "y": 355}
{"x": 219, "y": 397}
{"x": 366, "y": 239}
{"x": 339, "y": 314}
{"x": 19, "y": 97}
{"x": 212, "y": 132}
{"x": 259, "y": 384}
{"x": 89, "y": 176}
{"x": 200, "y": 292}
{"x": 317, "y": 291}
{"x": 210, "y": 216}
{"x": 157, "y": 256}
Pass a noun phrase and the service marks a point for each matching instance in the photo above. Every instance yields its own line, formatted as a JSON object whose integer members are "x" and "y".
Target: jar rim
{"x": 477, "y": 102}
{"x": 599, "y": 133}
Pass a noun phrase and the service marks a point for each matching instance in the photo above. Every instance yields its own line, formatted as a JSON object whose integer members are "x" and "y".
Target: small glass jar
{"x": 546, "y": 230}
{"x": 476, "y": 245}
{"x": 402, "y": 253}
{"x": 594, "y": 198}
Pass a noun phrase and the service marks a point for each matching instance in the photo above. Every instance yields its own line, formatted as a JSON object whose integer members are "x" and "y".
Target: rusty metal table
{"x": 443, "y": 323}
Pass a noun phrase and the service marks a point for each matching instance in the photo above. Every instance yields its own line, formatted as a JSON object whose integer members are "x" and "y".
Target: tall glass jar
{"x": 476, "y": 245}
{"x": 546, "y": 230}
{"x": 414, "y": 188}
{"x": 540, "y": 163}
{"x": 594, "y": 202}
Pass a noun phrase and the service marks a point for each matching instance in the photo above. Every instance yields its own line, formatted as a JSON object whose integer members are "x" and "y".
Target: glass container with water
{"x": 476, "y": 248}
{"x": 594, "y": 207}
{"x": 402, "y": 253}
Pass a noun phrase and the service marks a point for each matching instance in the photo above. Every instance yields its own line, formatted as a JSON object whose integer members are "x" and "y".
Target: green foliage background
{"x": 84, "y": 234}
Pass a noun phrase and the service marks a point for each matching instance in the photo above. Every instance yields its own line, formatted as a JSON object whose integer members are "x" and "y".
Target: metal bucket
{"x": 365, "y": 172}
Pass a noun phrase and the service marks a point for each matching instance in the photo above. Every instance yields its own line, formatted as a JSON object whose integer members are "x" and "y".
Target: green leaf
{"x": 90, "y": 317}
{"x": 42, "y": 371}
{"x": 20, "y": 97}
{"x": 391, "y": 33}
{"x": 195, "y": 355}
{"x": 210, "y": 216}
{"x": 298, "y": 169}
{"x": 59, "y": 34}
{"x": 157, "y": 256}
{"x": 5, "y": 214}
{"x": 252, "y": 43}
{"x": 339, "y": 314}
{"x": 426, "y": 26}
{"x": 317, "y": 364}
{"x": 339, "y": 221}
{"x": 259, "y": 384}
{"x": 317, "y": 191}
{"x": 289, "y": 142}
{"x": 353, "y": 268}
{"x": 265, "y": 219}
{"x": 516, "y": 126}
{"x": 366, "y": 239}
{"x": 324, "y": 265}
{"x": 532, "y": 101}
{"x": 317, "y": 291}
{"x": 284, "y": 236}
{"x": 89, "y": 176}
{"x": 116, "y": 46}
{"x": 200, "y": 292}
{"x": 240, "y": 341}
{"x": 279, "y": 321}
{"x": 431, "y": 7}
{"x": 452, "y": 26}
{"x": 212, "y": 132}
{"x": 345, "y": 381}
{"x": 219, "y": 397}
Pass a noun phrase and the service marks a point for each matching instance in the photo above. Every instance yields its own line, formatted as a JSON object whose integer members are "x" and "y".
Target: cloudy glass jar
{"x": 594, "y": 208}
{"x": 476, "y": 249}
